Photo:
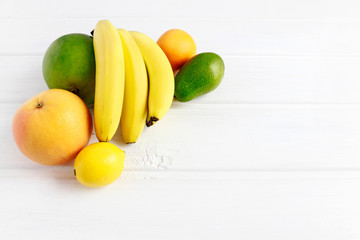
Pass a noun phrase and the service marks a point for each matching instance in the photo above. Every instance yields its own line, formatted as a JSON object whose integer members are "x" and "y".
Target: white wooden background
{"x": 272, "y": 154}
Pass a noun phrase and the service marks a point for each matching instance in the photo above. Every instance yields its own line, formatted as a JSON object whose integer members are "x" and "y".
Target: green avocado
{"x": 69, "y": 63}
{"x": 200, "y": 75}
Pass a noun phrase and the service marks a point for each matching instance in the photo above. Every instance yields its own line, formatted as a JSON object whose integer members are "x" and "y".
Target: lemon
{"x": 99, "y": 164}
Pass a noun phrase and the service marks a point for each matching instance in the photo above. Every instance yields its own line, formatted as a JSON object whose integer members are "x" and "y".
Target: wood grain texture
{"x": 225, "y": 36}
{"x": 191, "y": 205}
{"x": 272, "y": 154}
{"x": 247, "y": 80}
{"x": 277, "y": 9}
{"x": 233, "y": 137}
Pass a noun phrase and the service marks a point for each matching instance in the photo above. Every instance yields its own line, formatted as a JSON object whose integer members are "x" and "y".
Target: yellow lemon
{"x": 99, "y": 164}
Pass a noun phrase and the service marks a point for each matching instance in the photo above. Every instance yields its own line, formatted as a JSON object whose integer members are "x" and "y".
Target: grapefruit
{"x": 52, "y": 127}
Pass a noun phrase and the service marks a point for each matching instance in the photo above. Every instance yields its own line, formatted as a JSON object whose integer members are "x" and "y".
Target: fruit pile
{"x": 126, "y": 77}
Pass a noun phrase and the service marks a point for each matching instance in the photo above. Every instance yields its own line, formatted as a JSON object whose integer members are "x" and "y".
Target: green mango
{"x": 69, "y": 63}
{"x": 198, "y": 76}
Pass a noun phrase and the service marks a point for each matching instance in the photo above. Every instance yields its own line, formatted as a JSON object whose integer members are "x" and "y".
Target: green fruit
{"x": 69, "y": 63}
{"x": 200, "y": 75}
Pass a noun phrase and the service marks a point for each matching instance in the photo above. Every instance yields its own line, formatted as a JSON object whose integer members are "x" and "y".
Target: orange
{"x": 178, "y": 46}
{"x": 52, "y": 127}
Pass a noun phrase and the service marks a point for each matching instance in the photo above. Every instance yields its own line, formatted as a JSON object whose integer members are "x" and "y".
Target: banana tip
{"x": 151, "y": 121}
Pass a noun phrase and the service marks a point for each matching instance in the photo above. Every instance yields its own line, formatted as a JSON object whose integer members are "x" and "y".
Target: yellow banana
{"x": 134, "y": 110}
{"x": 161, "y": 77}
{"x": 109, "y": 80}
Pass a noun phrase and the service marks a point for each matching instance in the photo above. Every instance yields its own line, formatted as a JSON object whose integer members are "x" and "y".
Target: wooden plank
{"x": 22, "y": 78}
{"x": 225, "y": 36}
{"x": 232, "y": 137}
{"x": 248, "y": 80}
{"x": 181, "y": 205}
{"x": 276, "y": 9}
{"x": 272, "y": 154}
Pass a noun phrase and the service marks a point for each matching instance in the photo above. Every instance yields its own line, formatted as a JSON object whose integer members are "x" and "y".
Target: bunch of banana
{"x": 134, "y": 82}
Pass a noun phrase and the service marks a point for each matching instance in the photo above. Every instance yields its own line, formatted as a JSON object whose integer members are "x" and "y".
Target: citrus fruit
{"x": 178, "y": 46}
{"x": 69, "y": 64}
{"x": 99, "y": 164}
{"x": 52, "y": 127}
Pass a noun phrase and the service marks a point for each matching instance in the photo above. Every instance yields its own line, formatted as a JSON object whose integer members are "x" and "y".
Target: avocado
{"x": 200, "y": 75}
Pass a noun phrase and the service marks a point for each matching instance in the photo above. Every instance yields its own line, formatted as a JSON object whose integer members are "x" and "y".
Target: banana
{"x": 161, "y": 77}
{"x": 134, "y": 110}
{"x": 109, "y": 80}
